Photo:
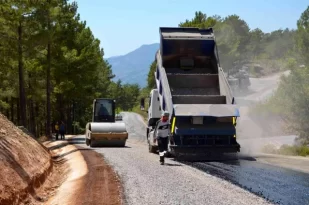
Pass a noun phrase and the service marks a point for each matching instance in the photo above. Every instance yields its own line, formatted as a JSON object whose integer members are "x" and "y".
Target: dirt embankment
{"x": 53, "y": 173}
{"x": 24, "y": 163}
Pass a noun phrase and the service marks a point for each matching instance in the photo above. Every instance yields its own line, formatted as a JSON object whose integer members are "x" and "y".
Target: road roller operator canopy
{"x": 104, "y": 110}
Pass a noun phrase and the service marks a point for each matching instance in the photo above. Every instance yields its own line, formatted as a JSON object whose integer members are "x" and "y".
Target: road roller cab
{"x": 104, "y": 130}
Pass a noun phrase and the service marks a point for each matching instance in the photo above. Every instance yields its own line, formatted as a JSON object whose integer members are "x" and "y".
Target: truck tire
{"x": 168, "y": 155}
{"x": 92, "y": 143}
{"x": 87, "y": 142}
{"x": 147, "y": 132}
{"x": 151, "y": 149}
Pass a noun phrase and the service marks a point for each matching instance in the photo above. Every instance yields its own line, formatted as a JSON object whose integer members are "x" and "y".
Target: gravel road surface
{"x": 250, "y": 180}
{"x": 148, "y": 182}
{"x": 261, "y": 88}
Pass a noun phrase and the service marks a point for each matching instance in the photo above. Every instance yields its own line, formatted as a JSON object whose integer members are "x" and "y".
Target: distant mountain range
{"x": 134, "y": 66}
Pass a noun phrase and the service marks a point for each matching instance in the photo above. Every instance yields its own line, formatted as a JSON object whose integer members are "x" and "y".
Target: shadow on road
{"x": 109, "y": 147}
{"x": 247, "y": 158}
{"x": 222, "y": 158}
{"x": 63, "y": 144}
{"x": 76, "y": 139}
{"x": 56, "y": 157}
{"x": 173, "y": 165}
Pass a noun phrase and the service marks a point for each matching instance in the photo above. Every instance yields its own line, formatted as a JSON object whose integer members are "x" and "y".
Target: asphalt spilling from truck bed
{"x": 276, "y": 184}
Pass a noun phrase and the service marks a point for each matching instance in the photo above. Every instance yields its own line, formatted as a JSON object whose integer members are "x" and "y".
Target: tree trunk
{"x": 58, "y": 108}
{"x": 12, "y": 110}
{"x": 32, "y": 118}
{"x": 18, "y": 111}
{"x": 73, "y": 117}
{"x": 48, "y": 106}
{"x": 69, "y": 121}
{"x": 31, "y": 107}
{"x": 61, "y": 108}
{"x": 36, "y": 115}
{"x": 22, "y": 94}
{"x": 41, "y": 129}
{"x": 7, "y": 110}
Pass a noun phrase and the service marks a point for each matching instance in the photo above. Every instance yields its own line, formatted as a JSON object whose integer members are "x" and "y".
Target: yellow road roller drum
{"x": 104, "y": 130}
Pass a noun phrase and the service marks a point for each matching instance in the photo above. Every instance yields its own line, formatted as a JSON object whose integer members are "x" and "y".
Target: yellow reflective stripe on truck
{"x": 234, "y": 121}
{"x": 173, "y": 125}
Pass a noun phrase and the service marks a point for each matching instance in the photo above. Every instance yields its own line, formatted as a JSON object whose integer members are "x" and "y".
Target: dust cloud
{"x": 254, "y": 132}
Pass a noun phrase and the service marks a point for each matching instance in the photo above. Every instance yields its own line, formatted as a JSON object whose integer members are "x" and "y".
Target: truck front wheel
{"x": 92, "y": 144}
{"x": 147, "y": 133}
{"x": 152, "y": 149}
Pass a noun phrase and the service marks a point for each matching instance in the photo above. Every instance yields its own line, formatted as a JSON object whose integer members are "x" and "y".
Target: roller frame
{"x": 106, "y": 134}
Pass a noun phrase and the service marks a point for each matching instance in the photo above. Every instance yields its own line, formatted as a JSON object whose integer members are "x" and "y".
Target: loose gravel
{"x": 148, "y": 182}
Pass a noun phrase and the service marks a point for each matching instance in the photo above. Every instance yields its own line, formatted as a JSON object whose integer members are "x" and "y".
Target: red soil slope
{"x": 24, "y": 164}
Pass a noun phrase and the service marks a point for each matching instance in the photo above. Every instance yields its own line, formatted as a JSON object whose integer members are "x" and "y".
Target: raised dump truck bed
{"x": 192, "y": 87}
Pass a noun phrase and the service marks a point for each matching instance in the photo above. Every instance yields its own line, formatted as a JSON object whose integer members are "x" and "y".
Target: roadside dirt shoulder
{"x": 89, "y": 181}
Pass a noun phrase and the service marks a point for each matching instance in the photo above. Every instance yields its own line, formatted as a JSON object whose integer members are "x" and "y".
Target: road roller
{"x": 104, "y": 131}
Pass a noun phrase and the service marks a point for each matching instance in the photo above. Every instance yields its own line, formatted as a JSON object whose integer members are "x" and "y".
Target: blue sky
{"x": 124, "y": 25}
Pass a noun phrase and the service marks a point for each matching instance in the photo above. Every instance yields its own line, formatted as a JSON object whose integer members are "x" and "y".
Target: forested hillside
{"x": 52, "y": 67}
{"x": 132, "y": 67}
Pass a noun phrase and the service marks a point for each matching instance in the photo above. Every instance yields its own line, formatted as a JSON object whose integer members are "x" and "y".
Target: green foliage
{"x": 143, "y": 113}
{"x": 126, "y": 95}
{"x": 291, "y": 99}
{"x": 78, "y": 72}
{"x": 302, "y": 37}
{"x": 200, "y": 20}
{"x": 237, "y": 43}
{"x": 151, "y": 82}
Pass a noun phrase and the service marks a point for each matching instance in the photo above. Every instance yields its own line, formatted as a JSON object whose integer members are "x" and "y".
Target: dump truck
{"x": 104, "y": 130}
{"x": 239, "y": 80}
{"x": 191, "y": 85}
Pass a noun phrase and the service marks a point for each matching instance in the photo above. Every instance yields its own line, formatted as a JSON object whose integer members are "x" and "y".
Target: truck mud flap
{"x": 185, "y": 157}
{"x": 205, "y": 153}
{"x": 206, "y": 148}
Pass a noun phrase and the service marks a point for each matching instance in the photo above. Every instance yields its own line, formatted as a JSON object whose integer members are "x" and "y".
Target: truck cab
{"x": 154, "y": 114}
{"x": 154, "y": 110}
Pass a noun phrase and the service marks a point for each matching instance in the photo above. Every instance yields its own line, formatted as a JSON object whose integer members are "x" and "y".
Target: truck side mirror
{"x": 142, "y": 105}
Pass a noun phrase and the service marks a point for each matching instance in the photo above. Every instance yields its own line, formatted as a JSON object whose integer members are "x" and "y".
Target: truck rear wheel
{"x": 92, "y": 143}
{"x": 152, "y": 149}
{"x": 147, "y": 133}
{"x": 168, "y": 154}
